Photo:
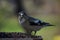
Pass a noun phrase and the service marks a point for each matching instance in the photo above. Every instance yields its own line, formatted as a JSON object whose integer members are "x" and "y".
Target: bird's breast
{"x": 22, "y": 20}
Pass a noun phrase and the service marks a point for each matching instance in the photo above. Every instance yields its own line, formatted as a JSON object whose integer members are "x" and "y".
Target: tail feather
{"x": 47, "y": 24}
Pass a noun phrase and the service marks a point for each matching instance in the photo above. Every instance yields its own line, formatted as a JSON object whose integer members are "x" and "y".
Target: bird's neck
{"x": 26, "y": 17}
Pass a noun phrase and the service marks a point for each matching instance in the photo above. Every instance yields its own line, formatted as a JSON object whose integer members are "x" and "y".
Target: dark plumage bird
{"x": 31, "y": 24}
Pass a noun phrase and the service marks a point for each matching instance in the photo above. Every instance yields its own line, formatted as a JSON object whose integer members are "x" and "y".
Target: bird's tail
{"x": 50, "y": 25}
{"x": 47, "y": 24}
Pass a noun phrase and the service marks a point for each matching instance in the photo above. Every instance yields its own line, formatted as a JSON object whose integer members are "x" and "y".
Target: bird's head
{"x": 22, "y": 13}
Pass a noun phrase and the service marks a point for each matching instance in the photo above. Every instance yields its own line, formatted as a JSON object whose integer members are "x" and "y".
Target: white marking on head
{"x": 21, "y": 14}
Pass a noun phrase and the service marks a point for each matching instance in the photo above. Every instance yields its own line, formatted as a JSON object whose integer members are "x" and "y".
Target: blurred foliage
{"x": 56, "y": 37}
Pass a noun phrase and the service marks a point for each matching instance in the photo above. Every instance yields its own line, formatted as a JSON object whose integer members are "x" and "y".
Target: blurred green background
{"x": 48, "y": 12}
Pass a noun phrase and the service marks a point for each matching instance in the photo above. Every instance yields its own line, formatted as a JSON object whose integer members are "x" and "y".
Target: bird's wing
{"x": 37, "y": 22}
{"x": 31, "y": 19}
{"x": 34, "y": 21}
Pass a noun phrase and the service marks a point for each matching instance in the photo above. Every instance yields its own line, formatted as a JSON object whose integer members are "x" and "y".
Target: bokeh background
{"x": 45, "y": 10}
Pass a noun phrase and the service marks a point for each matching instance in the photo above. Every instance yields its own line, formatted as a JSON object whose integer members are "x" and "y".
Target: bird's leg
{"x": 35, "y": 33}
{"x": 28, "y": 32}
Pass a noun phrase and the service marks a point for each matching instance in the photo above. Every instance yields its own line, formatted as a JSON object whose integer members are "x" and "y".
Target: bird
{"x": 31, "y": 24}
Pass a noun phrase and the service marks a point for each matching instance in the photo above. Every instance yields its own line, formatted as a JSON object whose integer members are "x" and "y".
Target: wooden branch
{"x": 15, "y": 35}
